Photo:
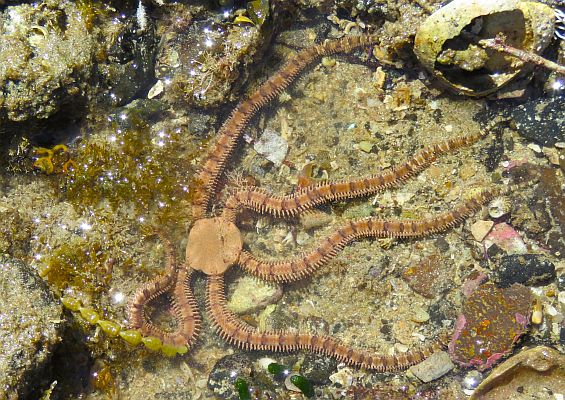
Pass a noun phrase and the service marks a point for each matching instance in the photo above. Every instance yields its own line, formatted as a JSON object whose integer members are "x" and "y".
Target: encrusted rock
{"x": 491, "y": 321}
{"x": 427, "y": 277}
{"x": 30, "y": 327}
{"x": 527, "y": 269}
{"x": 506, "y": 238}
{"x": 541, "y": 120}
{"x": 46, "y": 56}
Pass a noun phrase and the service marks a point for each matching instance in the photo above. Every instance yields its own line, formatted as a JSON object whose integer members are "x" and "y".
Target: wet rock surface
{"x": 30, "y": 327}
{"x": 46, "y": 57}
{"x": 203, "y": 60}
{"x": 541, "y": 120}
{"x": 527, "y": 269}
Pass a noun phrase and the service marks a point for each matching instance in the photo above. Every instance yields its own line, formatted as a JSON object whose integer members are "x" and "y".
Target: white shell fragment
{"x": 446, "y": 43}
{"x": 272, "y": 146}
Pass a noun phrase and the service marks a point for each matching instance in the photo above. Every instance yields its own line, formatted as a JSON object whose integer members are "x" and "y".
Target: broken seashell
{"x": 499, "y": 207}
{"x": 532, "y": 371}
{"x": 447, "y": 42}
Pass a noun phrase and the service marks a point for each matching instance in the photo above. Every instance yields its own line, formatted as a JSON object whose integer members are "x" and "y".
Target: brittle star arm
{"x": 184, "y": 307}
{"x": 228, "y": 135}
{"x": 237, "y": 332}
{"x": 293, "y": 204}
{"x": 295, "y": 269}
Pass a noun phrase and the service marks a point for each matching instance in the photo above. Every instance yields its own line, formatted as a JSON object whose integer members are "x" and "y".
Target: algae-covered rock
{"x": 206, "y": 62}
{"x": 490, "y": 323}
{"x": 30, "y": 325}
{"x": 46, "y": 56}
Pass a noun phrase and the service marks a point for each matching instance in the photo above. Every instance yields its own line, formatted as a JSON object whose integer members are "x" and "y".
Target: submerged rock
{"x": 30, "y": 327}
{"x": 491, "y": 321}
{"x": 527, "y": 269}
{"x": 433, "y": 367}
{"x": 541, "y": 120}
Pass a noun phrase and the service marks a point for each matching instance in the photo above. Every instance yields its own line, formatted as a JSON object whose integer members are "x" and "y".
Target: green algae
{"x": 80, "y": 264}
{"x": 135, "y": 166}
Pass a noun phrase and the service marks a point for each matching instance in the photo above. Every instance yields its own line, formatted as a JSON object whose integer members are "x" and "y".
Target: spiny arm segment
{"x": 208, "y": 177}
{"x": 290, "y": 205}
{"x": 239, "y": 333}
{"x": 306, "y": 264}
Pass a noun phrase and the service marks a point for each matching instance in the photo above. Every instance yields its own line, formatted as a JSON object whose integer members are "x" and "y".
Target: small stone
{"x": 251, "y": 294}
{"x": 343, "y": 377}
{"x": 272, "y": 146}
{"x": 433, "y": 367}
{"x": 480, "y": 229}
{"x": 365, "y": 146}
{"x": 156, "y": 89}
{"x": 419, "y": 315}
{"x": 534, "y": 147}
{"x": 527, "y": 269}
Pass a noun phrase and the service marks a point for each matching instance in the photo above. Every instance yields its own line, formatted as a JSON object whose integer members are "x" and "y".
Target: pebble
{"x": 420, "y": 315}
{"x": 434, "y": 367}
{"x": 480, "y": 229}
{"x": 343, "y": 377}
{"x": 251, "y": 294}
{"x": 365, "y": 146}
{"x": 534, "y": 147}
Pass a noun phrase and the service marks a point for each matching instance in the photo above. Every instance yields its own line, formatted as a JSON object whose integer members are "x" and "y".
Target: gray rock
{"x": 30, "y": 327}
{"x": 433, "y": 367}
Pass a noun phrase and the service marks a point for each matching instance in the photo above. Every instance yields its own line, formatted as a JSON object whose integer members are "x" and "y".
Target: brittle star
{"x": 215, "y": 243}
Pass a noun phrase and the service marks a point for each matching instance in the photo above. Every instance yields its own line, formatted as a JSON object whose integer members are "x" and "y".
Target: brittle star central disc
{"x": 214, "y": 245}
